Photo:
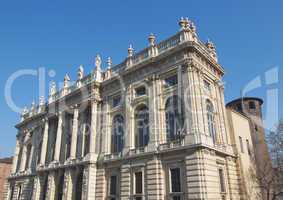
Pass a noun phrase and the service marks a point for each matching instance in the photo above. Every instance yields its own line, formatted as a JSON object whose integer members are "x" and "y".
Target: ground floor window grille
{"x": 175, "y": 184}
{"x": 222, "y": 183}
{"x": 138, "y": 183}
{"x": 113, "y": 185}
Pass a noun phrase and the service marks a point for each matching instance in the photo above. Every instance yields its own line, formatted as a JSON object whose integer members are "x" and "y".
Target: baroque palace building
{"x": 152, "y": 127}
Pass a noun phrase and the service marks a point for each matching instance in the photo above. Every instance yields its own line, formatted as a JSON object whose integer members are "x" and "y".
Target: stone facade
{"x": 5, "y": 170}
{"x": 152, "y": 127}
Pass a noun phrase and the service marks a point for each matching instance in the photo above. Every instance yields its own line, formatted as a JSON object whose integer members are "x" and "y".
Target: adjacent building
{"x": 153, "y": 127}
{"x": 5, "y": 170}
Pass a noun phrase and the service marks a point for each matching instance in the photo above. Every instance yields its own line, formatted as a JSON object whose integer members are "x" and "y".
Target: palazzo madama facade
{"x": 152, "y": 127}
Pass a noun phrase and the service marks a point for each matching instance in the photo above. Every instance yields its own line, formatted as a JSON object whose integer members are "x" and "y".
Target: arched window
{"x": 117, "y": 134}
{"x": 210, "y": 120}
{"x": 141, "y": 126}
{"x": 174, "y": 118}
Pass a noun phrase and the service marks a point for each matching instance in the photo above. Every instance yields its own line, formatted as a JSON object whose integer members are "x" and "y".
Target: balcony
{"x": 138, "y": 150}
{"x": 113, "y": 156}
{"x": 172, "y": 144}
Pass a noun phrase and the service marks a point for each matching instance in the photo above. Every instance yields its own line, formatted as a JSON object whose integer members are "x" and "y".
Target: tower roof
{"x": 239, "y": 100}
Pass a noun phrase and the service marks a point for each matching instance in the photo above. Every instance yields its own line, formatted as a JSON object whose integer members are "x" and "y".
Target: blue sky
{"x": 61, "y": 35}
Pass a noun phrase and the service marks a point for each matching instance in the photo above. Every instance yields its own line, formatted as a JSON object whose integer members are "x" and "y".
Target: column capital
{"x": 75, "y": 106}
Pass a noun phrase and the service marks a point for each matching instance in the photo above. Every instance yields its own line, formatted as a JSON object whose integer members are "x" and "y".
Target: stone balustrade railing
{"x": 136, "y": 58}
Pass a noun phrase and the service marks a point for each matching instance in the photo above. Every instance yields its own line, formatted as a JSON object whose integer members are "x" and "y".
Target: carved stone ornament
{"x": 98, "y": 61}
{"x": 130, "y": 51}
{"x": 41, "y": 101}
{"x": 109, "y": 63}
{"x": 66, "y": 81}
{"x": 80, "y": 72}
{"x": 151, "y": 39}
{"x": 53, "y": 88}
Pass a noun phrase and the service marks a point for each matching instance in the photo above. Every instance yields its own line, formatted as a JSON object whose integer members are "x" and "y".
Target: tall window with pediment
{"x": 141, "y": 126}
{"x": 174, "y": 118}
{"x": 117, "y": 134}
{"x": 211, "y": 120}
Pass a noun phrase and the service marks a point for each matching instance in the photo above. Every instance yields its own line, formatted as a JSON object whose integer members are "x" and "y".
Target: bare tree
{"x": 270, "y": 175}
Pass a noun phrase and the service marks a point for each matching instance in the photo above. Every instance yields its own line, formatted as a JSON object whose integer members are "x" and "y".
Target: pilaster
{"x": 129, "y": 123}
{"x": 90, "y": 186}
{"x": 52, "y": 185}
{"x": 44, "y": 143}
{"x": 93, "y": 129}
{"x": 68, "y": 185}
{"x": 74, "y": 133}
{"x": 153, "y": 116}
{"x": 58, "y": 138}
{"x": 15, "y": 159}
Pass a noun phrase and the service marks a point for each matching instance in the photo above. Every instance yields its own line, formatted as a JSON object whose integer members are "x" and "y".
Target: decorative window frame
{"x": 138, "y": 168}
{"x": 113, "y": 115}
{"x": 221, "y": 166}
{"x": 113, "y": 172}
{"x": 168, "y": 165}
{"x": 167, "y": 74}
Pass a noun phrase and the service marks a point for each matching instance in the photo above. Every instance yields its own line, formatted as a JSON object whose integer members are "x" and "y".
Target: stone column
{"x": 58, "y": 138}
{"x": 82, "y": 129}
{"x": 201, "y": 103}
{"x": 191, "y": 105}
{"x": 93, "y": 127}
{"x": 89, "y": 186}
{"x": 74, "y": 133}
{"x": 129, "y": 135}
{"x": 153, "y": 115}
{"x": 44, "y": 143}
{"x": 191, "y": 97}
{"x": 186, "y": 90}
{"x": 15, "y": 159}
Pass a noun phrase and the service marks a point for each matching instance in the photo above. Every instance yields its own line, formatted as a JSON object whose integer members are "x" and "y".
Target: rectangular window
{"x": 140, "y": 91}
{"x": 113, "y": 186}
{"x": 221, "y": 180}
{"x": 252, "y": 105}
{"x": 138, "y": 183}
{"x": 116, "y": 101}
{"x": 206, "y": 85}
{"x": 248, "y": 147}
{"x": 241, "y": 144}
{"x": 175, "y": 179}
{"x": 171, "y": 81}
